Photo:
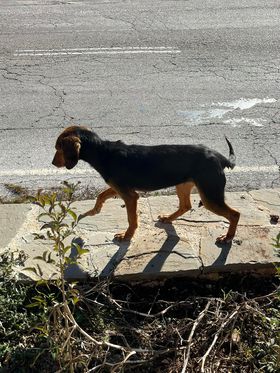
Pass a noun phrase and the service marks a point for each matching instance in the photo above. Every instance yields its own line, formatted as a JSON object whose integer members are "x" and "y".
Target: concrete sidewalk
{"x": 185, "y": 248}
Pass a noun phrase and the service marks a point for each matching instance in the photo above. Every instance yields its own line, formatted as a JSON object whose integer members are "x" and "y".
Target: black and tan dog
{"x": 130, "y": 168}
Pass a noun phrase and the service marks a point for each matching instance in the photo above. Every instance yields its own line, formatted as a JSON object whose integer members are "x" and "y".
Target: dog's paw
{"x": 224, "y": 239}
{"x": 164, "y": 219}
{"x": 122, "y": 236}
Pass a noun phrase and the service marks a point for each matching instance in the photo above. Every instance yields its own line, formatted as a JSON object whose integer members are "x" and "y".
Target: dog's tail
{"x": 231, "y": 159}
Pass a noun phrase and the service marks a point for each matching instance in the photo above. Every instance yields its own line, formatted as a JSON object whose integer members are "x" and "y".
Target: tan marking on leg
{"x": 229, "y": 213}
{"x": 130, "y": 198}
{"x": 102, "y": 197}
{"x": 183, "y": 191}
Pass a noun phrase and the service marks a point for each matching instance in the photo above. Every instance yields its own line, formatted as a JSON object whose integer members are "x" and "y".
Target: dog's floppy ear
{"x": 71, "y": 146}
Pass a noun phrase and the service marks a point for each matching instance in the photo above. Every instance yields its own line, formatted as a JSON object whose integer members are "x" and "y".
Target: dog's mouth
{"x": 69, "y": 167}
{"x": 70, "y": 163}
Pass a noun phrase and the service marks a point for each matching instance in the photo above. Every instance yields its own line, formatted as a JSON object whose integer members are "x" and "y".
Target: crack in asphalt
{"x": 277, "y": 178}
{"x": 59, "y": 94}
{"x": 6, "y": 75}
{"x": 119, "y": 19}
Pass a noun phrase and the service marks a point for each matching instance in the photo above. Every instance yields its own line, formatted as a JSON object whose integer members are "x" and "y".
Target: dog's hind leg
{"x": 183, "y": 191}
{"x": 229, "y": 213}
{"x": 102, "y": 197}
{"x": 212, "y": 196}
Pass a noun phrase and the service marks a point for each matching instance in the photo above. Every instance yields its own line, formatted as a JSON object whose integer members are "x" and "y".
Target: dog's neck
{"x": 89, "y": 141}
{"x": 91, "y": 148}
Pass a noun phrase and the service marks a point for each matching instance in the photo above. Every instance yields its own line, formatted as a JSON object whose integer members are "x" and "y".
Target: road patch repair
{"x": 158, "y": 251}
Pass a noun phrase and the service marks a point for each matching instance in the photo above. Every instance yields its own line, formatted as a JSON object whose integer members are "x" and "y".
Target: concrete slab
{"x": 251, "y": 213}
{"x": 251, "y": 250}
{"x": 157, "y": 254}
{"x": 186, "y": 247}
{"x": 113, "y": 217}
{"x": 12, "y": 218}
{"x": 268, "y": 199}
{"x": 165, "y": 205}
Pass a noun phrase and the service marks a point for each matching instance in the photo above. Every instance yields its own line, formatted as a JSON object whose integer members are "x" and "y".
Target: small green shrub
{"x": 60, "y": 221}
{"x": 16, "y": 322}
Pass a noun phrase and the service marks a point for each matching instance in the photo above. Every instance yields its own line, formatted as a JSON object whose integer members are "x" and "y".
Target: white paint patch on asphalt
{"x": 244, "y": 103}
{"x": 94, "y": 51}
{"x": 217, "y": 111}
{"x": 86, "y": 172}
{"x": 237, "y": 122}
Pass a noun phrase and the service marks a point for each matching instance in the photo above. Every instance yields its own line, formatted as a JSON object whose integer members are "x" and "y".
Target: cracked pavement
{"x": 227, "y": 52}
{"x": 185, "y": 248}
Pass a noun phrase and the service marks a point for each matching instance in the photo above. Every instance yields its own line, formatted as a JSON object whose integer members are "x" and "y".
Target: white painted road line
{"x": 86, "y": 172}
{"x": 46, "y": 172}
{"x": 94, "y": 51}
{"x": 269, "y": 169}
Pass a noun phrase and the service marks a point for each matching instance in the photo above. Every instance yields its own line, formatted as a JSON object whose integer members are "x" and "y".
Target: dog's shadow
{"x": 225, "y": 247}
{"x": 222, "y": 258}
{"x": 112, "y": 264}
{"x": 73, "y": 271}
{"x": 172, "y": 239}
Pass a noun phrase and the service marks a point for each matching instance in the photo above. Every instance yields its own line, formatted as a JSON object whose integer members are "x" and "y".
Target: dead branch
{"x": 224, "y": 324}
{"x": 189, "y": 341}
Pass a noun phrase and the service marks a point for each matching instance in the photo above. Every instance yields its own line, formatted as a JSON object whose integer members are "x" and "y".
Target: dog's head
{"x": 68, "y": 147}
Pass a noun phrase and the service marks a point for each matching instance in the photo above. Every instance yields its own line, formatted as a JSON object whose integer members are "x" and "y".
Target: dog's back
{"x": 148, "y": 168}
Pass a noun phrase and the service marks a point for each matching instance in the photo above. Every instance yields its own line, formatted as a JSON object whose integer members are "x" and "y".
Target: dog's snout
{"x": 58, "y": 160}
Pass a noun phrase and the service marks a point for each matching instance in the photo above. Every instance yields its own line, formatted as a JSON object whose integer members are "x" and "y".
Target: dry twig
{"x": 189, "y": 341}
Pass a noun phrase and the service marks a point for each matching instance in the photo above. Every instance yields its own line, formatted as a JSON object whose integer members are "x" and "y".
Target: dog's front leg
{"x": 130, "y": 198}
{"x": 102, "y": 197}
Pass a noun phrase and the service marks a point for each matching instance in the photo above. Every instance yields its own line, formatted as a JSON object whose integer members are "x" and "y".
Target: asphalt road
{"x": 146, "y": 72}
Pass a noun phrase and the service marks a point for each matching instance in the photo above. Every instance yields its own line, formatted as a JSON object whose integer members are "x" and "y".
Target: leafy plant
{"x": 268, "y": 351}
{"x": 15, "y": 321}
{"x": 59, "y": 221}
